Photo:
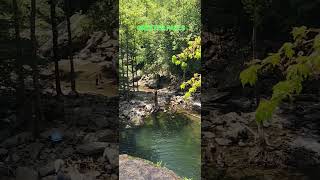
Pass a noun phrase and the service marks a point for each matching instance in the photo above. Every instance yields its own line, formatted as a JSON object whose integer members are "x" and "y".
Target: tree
{"x": 37, "y": 102}
{"x": 298, "y": 61}
{"x": 254, "y": 8}
{"x": 67, "y": 4}
{"x": 55, "y": 45}
{"x": 193, "y": 52}
{"x": 20, "y": 88}
{"x": 153, "y": 49}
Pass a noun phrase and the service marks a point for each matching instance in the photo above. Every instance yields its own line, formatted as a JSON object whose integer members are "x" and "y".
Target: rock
{"x": 106, "y": 135}
{"x": 112, "y": 154}
{"x": 208, "y": 135}
{"x": 100, "y": 121}
{"x": 46, "y": 170}
{"x": 4, "y": 134}
{"x": 235, "y": 131}
{"x": 92, "y": 148}
{"x": 242, "y": 103}
{"x": 49, "y": 178}
{"x": 25, "y": 173}
{"x": 58, "y": 165}
{"x": 81, "y": 115}
{"x": 135, "y": 168}
{"x": 34, "y": 150}
{"x": 15, "y": 157}
{"x": 79, "y": 37}
{"x": 17, "y": 140}
{"x": 67, "y": 152}
{"x": 223, "y": 141}
{"x": 3, "y": 152}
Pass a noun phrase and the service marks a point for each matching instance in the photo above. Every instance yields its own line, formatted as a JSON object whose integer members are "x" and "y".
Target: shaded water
{"x": 173, "y": 140}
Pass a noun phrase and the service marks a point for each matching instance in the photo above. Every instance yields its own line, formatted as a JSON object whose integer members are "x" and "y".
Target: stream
{"x": 170, "y": 139}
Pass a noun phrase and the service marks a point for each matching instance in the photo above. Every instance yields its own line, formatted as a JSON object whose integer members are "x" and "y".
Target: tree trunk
{"x": 37, "y": 102}
{"x": 20, "y": 88}
{"x": 261, "y": 136}
{"x": 132, "y": 71}
{"x": 127, "y": 71}
{"x": 67, "y": 4}
{"x": 254, "y": 42}
{"x": 122, "y": 71}
{"x": 136, "y": 70}
{"x": 55, "y": 46}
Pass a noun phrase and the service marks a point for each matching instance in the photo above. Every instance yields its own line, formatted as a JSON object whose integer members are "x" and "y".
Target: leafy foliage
{"x": 296, "y": 62}
{"x": 153, "y": 50}
{"x": 193, "y": 52}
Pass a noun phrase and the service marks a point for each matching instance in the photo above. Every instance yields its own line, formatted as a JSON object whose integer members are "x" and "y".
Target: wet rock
{"x": 92, "y": 148}
{"x": 25, "y": 173}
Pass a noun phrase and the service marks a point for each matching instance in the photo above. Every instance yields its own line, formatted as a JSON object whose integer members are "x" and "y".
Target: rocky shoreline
{"x": 134, "y": 112}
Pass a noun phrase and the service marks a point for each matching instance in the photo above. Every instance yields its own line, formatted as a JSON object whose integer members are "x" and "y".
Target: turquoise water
{"x": 173, "y": 140}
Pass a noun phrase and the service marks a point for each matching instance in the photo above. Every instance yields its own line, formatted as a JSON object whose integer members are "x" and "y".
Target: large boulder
{"x": 135, "y": 168}
{"x": 78, "y": 33}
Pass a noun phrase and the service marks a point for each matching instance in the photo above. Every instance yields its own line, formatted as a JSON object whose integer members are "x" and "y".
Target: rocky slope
{"x": 79, "y": 133}
{"x": 229, "y": 130}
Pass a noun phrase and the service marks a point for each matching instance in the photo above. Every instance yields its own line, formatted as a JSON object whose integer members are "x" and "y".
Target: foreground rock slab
{"x": 135, "y": 168}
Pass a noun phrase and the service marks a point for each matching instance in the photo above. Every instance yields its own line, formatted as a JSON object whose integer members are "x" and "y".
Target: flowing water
{"x": 173, "y": 140}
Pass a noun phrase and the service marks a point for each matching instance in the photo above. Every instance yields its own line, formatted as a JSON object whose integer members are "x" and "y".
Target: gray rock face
{"x": 138, "y": 169}
{"x": 25, "y": 173}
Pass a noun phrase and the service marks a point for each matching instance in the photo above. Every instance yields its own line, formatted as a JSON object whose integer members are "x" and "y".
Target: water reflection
{"x": 173, "y": 139}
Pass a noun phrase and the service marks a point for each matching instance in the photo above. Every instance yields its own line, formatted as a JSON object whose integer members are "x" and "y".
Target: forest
{"x": 159, "y": 87}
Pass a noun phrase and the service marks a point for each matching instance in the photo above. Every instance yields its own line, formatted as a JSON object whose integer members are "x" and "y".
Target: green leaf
{"x": 299, "y": 33}
{"x": 287, "y": 48}
{"x": 250, "y": 75}
{"x": 265, "y": 110}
